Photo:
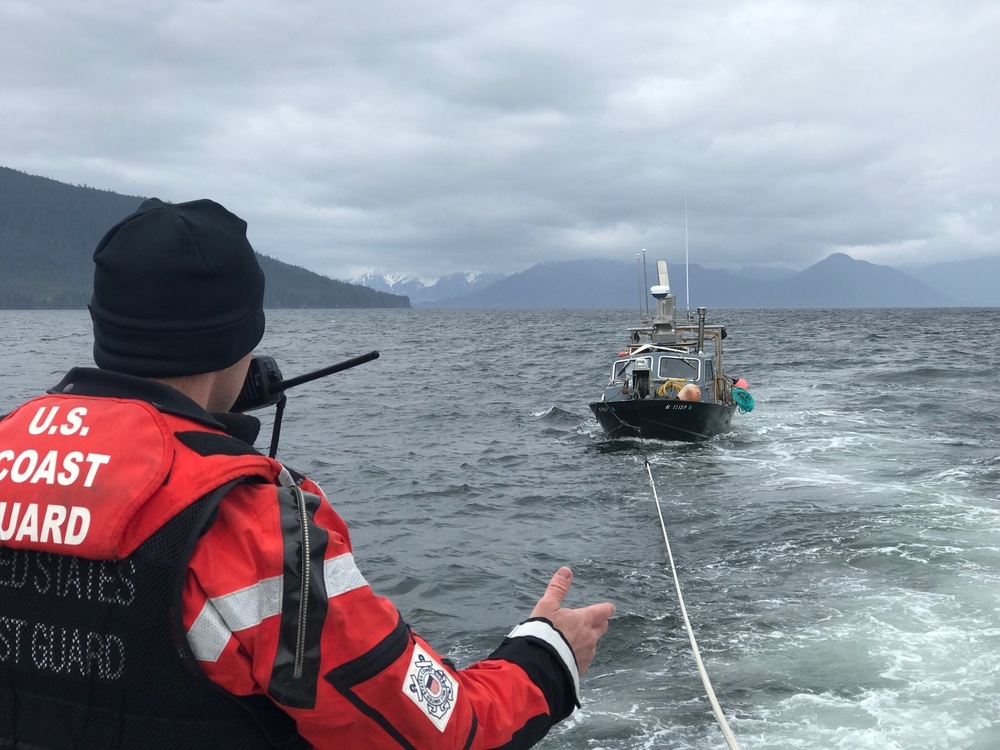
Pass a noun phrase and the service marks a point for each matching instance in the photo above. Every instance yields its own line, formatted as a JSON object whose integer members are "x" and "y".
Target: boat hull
{"x": 663, "y": 419}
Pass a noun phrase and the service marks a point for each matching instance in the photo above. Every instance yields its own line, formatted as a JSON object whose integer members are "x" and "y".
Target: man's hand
{"x": 581, "y": 627}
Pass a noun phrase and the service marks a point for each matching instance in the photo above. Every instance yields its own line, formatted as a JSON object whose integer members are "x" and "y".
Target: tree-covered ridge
{"x": 48, "y": 232}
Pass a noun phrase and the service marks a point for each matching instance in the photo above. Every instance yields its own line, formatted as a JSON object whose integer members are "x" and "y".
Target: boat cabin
{"x": 650, "y": 371}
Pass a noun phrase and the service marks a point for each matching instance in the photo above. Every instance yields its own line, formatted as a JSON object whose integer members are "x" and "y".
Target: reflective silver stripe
{"x": 342, "y": 575}
{"x": 208, "y": 635}
{"x": 247, "y": 608}
{"x": 225, "y": 615}
{"x": 545, "y": 632}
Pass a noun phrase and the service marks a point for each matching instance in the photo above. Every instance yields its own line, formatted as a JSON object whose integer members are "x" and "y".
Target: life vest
{"x": 101, "y": 503}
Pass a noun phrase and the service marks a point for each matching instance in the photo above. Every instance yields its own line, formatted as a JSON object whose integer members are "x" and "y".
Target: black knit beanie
{"x": 177, "y": 291}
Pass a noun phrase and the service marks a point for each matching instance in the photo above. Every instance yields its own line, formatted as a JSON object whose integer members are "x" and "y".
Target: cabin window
{"x": 621, "y": 370}
{"x": 672, "y": 368}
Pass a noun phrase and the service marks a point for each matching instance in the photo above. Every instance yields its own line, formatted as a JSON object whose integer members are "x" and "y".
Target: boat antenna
{"x": 645, "y": 283}
{"x": 638, "y": 280}
{"x": 687, "y": 276}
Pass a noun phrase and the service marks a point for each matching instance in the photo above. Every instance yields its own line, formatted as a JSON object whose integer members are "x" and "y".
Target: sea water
{"x": 838, "y": 551}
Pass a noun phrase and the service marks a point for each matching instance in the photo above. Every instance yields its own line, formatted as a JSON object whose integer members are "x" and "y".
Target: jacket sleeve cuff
{"x": 541, "y": 631}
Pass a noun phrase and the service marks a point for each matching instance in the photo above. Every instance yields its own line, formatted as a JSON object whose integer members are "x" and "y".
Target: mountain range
{"x": 48, "y": 231}
{"x": 836, "y": 281}
{"x": 454, "y": 285}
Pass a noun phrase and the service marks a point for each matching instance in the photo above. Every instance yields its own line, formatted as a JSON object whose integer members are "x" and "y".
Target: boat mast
{"x": 638, "y": 279}
{"x": 645, "y": 283}
{"x": 687, "y": 277}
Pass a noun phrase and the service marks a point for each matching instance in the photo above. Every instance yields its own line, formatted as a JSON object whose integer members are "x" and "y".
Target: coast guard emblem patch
{"x": 431, "y": 687}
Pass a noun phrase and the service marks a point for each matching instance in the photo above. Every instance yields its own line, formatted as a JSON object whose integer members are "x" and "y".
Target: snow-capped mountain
{"x": 455, "y": 285}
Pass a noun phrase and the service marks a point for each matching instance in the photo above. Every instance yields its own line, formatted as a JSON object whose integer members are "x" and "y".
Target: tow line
{"x": 716, "y": 708}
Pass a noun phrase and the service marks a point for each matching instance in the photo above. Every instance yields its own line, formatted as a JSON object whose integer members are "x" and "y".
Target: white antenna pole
{"x": 638, "y": 278}
{"x": 645, "y": 282}
{"x": 687, "y": 277}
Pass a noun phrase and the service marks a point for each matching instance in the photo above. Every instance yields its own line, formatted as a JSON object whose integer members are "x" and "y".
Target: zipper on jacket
{"x": 285, "y": 478}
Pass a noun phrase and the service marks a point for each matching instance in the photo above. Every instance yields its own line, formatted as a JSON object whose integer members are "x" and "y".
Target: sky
{"x": 421, "y": 139}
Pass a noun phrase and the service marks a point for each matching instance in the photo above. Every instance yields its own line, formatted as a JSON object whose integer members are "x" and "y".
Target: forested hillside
{"x": 48, "y": 232}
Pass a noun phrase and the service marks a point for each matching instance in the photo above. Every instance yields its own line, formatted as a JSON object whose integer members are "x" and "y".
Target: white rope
{"x": 716, "y": 709}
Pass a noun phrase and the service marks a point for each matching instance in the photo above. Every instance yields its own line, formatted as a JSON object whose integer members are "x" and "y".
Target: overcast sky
{"x": 424, "y": 138}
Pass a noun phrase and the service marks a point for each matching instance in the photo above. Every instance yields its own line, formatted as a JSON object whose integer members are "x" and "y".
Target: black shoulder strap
{"x": 277, "y": 726}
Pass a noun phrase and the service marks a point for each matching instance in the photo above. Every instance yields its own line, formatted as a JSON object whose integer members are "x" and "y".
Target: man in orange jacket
{"x": 162, "y": 584}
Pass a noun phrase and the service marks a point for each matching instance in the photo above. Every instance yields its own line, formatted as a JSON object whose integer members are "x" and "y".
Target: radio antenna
{"x": 687, "y": 277}
{"x": 346, "y": 364}
{"x": 645, "y": 281}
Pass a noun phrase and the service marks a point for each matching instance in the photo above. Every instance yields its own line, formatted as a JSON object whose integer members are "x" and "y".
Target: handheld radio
{"x": 264, "y": 386}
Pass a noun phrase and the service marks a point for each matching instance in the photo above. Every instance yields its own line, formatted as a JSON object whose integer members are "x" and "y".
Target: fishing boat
{"x": 669, "y": 383}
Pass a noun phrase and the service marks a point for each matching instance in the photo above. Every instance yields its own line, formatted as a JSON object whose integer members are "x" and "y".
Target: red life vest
{"x": 88, "y": 476}
{"x": 101, "y": 502}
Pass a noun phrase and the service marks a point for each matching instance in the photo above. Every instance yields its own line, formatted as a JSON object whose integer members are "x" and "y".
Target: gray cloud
{"x": 431, "y": 138}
